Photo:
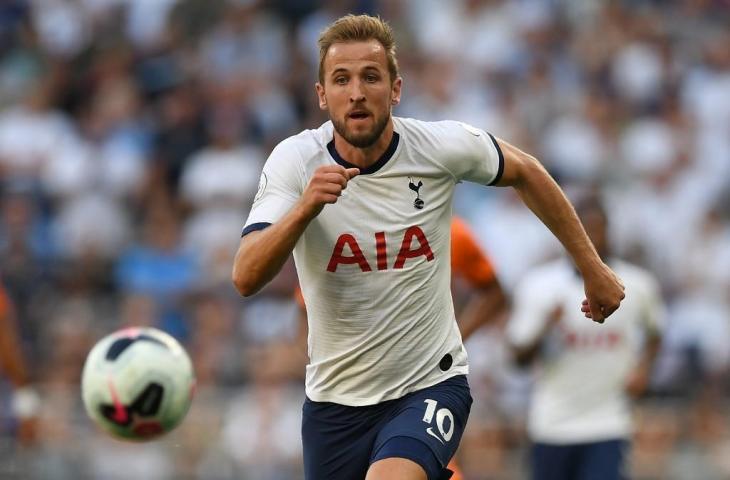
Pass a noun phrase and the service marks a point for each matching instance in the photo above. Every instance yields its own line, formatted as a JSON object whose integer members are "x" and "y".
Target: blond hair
{"x": 359, "y": 28}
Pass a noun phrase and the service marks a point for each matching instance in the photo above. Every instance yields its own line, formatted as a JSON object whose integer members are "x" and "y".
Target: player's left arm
{"x": 537, "y": 189}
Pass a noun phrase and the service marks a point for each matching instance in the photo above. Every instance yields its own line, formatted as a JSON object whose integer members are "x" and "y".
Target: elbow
{"x": 243, "y": 288}
{"x": 244, "y": 274}
{"x": 244, "y": 284}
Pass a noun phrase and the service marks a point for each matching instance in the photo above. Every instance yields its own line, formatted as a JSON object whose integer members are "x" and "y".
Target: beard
{"x": 361, "y": 140}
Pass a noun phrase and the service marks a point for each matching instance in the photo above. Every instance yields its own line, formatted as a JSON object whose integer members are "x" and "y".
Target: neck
{"x": 364, "y": 157}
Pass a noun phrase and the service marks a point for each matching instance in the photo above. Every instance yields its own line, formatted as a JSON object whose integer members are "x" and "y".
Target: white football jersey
{"x": 374, "y": 267}
{"x": 579, "y": 392}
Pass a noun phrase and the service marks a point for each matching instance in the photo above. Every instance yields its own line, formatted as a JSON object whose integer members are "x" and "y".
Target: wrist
{"x": 588, "y": 263}
{"x": 305, "y": 212}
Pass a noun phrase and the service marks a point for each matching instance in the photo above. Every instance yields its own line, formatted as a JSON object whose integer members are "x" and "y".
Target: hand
{"x": 604, "y": 292}
{"x": 326, "y": 186}
{"x": 637, "y": 382}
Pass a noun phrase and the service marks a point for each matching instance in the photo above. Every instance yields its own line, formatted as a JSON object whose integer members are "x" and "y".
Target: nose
{"x": 356, "y": 93}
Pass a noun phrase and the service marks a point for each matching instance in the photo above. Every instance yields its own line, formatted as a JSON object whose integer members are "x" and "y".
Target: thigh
{"x": 550, "y": 462}
{"x": 338, "y": 440}
{"x": 396, "y": 468}
{"x": 426, "y": 426}
{"x": 603, "y": 460}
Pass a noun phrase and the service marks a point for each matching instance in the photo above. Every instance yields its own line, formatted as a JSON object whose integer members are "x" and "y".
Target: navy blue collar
{"x": 387, "y": 155}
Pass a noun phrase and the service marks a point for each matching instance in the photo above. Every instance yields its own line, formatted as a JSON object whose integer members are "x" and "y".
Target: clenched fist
{"x": 326, "y": 186}
{"x": 604, "y": 292}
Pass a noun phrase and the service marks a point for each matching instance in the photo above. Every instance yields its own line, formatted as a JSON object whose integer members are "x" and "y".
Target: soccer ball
{"x": 137, "y": 383}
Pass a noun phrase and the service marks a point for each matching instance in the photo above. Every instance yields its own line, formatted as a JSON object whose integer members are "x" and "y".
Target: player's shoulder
{"x": 307, "y": 144}
{"x": 436, "y": 129}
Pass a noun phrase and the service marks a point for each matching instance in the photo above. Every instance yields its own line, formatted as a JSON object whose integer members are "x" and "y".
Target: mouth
{"x": 358, "y": 115}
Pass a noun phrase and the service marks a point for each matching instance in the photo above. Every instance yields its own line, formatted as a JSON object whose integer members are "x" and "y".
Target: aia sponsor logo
{"x": 347, "y": 251}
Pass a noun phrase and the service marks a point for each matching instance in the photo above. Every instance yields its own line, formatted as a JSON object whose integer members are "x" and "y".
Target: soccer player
{"x": 579, "y": 419}
{"x": 364, "y": 203}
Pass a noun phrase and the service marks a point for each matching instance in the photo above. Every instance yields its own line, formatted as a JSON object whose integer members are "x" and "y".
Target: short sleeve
{"x": 471, "y": 154}
{"x": 533, "y": 306}
{"x": 280, "y": 187}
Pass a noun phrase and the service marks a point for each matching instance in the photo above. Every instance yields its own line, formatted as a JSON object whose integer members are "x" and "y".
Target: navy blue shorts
{"x": 603, "y": 460}
{"x": 341, "y": 442}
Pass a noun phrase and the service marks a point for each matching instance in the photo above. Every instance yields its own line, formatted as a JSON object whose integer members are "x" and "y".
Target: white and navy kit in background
{"x": 374, "y": 267}
{"x": 580, "y": 417}
{"x": 580, "y": 391}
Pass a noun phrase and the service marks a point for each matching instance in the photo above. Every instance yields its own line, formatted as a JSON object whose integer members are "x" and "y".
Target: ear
{"x": 321, "y": 96}
{"x": 395, "y": 91}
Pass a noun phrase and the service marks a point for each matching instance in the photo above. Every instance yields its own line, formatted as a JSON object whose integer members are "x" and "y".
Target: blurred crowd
{"x": 132, "y": 134}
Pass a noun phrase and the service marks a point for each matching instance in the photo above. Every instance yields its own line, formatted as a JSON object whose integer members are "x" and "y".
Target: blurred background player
{"x": 579, "y": 419}
{"x": 24, "y": 400}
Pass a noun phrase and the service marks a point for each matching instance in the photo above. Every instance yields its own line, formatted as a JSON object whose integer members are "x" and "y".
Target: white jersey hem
{"x": 349, "y": 401}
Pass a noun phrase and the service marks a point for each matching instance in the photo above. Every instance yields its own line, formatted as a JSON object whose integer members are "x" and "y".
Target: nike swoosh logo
{"x": 471, "y": 130}
{"x": 120, "y": 413}
{"x": 429, "y": 430}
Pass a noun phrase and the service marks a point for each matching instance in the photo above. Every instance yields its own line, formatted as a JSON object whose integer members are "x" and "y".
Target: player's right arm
{"x": 474, "y": 155}
{"x": 262, "y": 253}
{"x": 542, "y": 195}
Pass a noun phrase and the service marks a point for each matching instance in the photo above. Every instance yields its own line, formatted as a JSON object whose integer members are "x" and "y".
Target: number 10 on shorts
{"x": 441, "y": 415}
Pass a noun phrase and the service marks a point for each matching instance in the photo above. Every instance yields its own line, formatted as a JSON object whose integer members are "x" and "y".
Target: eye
{"x": 341, "y": 80}
{"x": 371, "y": 78}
